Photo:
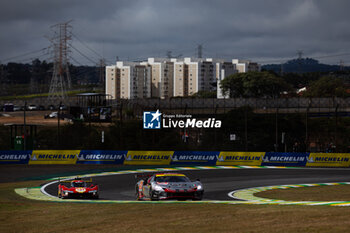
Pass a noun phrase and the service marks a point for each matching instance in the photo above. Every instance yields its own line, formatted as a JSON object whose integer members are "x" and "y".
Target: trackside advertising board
{"x": 148, "y": 157}
{"x": 194, "y": 157}
{"x": 54, "y": 157}
{"x": 101, "y": 157}
{"x": 240, "y": 158}
{"x": 328, "y": 160}
{"x": 200, "y": 158}
{"x": 15, "y": 157}
{"x": 285, "y": 159}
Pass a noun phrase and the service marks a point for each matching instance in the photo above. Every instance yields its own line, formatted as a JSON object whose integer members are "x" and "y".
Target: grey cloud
{"x": 251, "y": 28}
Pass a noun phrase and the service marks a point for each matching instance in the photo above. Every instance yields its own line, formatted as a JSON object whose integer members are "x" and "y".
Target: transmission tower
{"x": 61, "y": 48}
{"x": 300, "y": 54}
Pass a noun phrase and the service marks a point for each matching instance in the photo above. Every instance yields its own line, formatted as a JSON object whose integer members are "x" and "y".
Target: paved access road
{"x": 219, "y": 182}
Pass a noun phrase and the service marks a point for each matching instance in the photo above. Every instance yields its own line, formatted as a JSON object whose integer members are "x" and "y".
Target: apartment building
{"x": 223, "y": 69}
{"x": 244, "y": 65}
{"x": 113, "y": 82}
{"x": 141, "y": 82}
{"x": 167, "y": 84}
{"x": 165, "y": 78}
{"x": 128, "y": 81}
{"x": 156, "y": 75}
{"x": 193, "y": 75}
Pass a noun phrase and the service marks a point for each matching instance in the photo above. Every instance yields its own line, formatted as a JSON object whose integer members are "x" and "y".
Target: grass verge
{"x": 18, "y": 214}
{"x": 319, "y": 193}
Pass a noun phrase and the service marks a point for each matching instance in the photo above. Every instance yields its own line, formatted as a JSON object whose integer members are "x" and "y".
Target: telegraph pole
{"x": 61, "y": 48}
{"x": 102, "y": 66}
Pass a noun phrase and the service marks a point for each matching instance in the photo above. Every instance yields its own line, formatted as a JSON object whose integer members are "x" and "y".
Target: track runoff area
{"x": 222, "y": 184}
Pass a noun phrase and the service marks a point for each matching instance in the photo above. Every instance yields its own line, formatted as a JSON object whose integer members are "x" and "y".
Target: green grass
{"x": 18, "y": 214}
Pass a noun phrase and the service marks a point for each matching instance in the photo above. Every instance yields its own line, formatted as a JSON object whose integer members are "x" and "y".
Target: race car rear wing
{"x": 77, "y": 178}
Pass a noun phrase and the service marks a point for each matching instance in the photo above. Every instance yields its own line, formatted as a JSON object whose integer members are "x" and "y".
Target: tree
{"x": 254, "y": 84}
{"x": 205, "y": 94}
{"x": 327, "y": 87}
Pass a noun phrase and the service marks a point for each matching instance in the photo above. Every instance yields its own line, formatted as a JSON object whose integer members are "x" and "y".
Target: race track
{"x": 219, "y": 182}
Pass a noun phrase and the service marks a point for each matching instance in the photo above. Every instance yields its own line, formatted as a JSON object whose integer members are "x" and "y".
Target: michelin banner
{"x": 285, "y": 159}
{"x": 200, "y": 158}
{"x": 148, "y": 157}
{"x": 328, "y": 160}
{"x": 101, "y": 157}
{"x": 15, "y": 157}
{"x": 240, "y": 158}
{"x": 194, "y": 157}
{"x": 54, "y": 157}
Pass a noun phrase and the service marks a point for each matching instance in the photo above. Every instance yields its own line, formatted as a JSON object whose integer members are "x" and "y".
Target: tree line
{"x": 35, "y": 77}
{"x": 267, "y": 84}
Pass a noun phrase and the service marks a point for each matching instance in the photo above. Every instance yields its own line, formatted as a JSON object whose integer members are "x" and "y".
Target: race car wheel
{"x": 153, "y": 196}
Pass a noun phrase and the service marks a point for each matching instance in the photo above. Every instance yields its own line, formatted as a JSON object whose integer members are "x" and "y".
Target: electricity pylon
{"x": 61, "y": 48}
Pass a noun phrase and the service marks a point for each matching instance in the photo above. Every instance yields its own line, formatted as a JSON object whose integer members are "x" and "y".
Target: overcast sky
{"x": 267, "y": 31}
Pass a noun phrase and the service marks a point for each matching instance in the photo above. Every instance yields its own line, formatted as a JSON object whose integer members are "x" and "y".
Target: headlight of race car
{"x": 199, "y": 187}
{"x": 157, "y": 188}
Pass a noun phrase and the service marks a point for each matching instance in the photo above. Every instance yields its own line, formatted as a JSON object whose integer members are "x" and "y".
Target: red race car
{"x": 78, "y": 188}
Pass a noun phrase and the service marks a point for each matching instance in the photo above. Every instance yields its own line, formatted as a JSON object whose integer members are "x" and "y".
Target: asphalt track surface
{"x": 218, "y": 183}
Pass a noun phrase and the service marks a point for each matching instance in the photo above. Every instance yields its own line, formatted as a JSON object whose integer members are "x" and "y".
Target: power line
{"x": 92, "y": 50}
{"x": 75, "y": 61}
{"x": 25, "y": 54}
{"x": 334, "y": 55}
{"x": 94, "y": 62}
{"x": 30, "y": 58}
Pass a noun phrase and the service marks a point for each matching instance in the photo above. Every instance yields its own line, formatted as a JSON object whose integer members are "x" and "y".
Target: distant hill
{"x": 303, "y": 65}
